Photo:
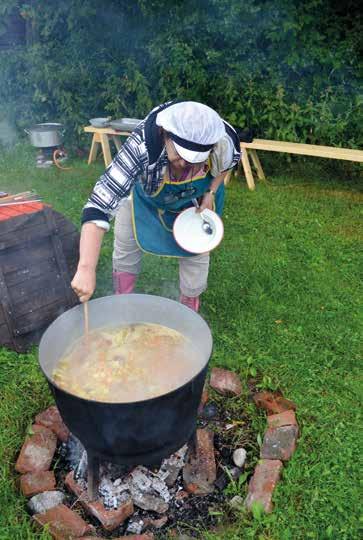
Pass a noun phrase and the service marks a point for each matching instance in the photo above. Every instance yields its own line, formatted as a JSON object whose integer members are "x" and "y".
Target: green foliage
{"x": 288, "y": 69}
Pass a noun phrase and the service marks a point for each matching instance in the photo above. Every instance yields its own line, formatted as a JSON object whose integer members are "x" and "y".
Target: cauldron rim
{"x": 141, "y": 402}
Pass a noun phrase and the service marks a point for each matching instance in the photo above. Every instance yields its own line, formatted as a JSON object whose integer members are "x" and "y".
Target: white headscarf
{"x": 193, "y": 127}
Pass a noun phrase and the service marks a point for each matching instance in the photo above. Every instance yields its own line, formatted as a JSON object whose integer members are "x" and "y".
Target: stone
{"x": 63, "y": 523}
{"x": 199, "y": 474}
{"x": 279, "y": 443}
{"x": 263, "y": 482}
{"x": 52, "y": 419}
{"x": 45, "y": 501}
{"x": 286, "y": 418}
{"x": 239, "y": 457}
{"x": 225, "y": 382}
{"x": 110, "y": 519}
{"x": 37, "y": 482}
{"x": 272, "y": 402}
{"x": 37, "y": 451}
{"x": 236, "y": 503}
{"x": 209, "y": 412}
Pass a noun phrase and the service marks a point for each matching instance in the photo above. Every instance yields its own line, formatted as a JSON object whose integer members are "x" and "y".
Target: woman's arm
{"x": 84, "y": 281}
{"x": 208, "y": 198}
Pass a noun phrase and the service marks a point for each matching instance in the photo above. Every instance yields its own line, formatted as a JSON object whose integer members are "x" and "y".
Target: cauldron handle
{"x": 93, "y": 476}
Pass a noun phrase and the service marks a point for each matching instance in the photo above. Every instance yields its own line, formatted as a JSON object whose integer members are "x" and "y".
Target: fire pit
{"x": 143, "y": 432}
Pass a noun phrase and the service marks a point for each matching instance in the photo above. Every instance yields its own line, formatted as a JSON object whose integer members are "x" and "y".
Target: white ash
{"x": 171, "y": 466}
{"x": 135, "y": 526}
{"x": 148, "y": 490}
{"x": 113, "y": 493}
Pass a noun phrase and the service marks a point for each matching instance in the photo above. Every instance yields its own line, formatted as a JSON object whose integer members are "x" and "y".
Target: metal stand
{"x": 93, "y": 477}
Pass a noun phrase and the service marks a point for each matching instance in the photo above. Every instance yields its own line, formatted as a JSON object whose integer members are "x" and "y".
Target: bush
{"x": 285, "y": 68}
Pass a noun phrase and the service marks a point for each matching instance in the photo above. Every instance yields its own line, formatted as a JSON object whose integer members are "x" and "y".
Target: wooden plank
{"x": 34, "y": 294}
{"x": 247, "y": 170}
{"x": 62, "y": 265}
{"x": 22, "y": 221}
{"x": 105, "y": 143}
{"x": 257, "y": 164}
{"x": 20, "y": 276}
{"x": 7, "y": 309}
{"x": 29, "y": 322}
{"x": 305, "y": 149}
{"x": 94, "y": 148}
{"x": 106, "y": 130}
{"x": 4, "y": 334}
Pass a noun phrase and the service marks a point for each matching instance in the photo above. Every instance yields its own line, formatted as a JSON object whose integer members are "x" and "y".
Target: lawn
{"x": 283, "y": 298}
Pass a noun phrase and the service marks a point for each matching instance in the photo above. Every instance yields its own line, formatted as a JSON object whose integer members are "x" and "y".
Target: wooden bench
{"x": 101, "y": 138}
{"x": 250, "y": 150}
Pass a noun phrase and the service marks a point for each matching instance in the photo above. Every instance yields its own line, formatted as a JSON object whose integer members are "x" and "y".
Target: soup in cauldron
{"x": 126, "y": 364}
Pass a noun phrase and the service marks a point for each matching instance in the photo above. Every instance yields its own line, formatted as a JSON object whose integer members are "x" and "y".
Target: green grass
{"x": 284, "y": 297}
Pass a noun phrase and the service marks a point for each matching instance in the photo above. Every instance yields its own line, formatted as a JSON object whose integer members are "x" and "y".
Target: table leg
{"x": 117, "y": 141}
{"x": 247, "y": 169}
{"x": 106, "y": 149}
{"x": 227, "y": 178}
{"x": 94, "y": 148}
{"x": 257, "y": 163}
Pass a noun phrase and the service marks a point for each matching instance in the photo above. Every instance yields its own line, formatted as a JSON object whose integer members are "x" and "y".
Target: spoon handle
{"x": 86, "y": 320}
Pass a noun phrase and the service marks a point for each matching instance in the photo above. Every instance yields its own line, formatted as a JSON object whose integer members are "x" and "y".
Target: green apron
{"x": 154, "y": 215}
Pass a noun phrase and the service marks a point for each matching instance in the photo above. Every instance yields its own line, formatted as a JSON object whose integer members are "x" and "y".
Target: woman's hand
{"x": 207, "y": 202}
{"x": 84, "y": 283}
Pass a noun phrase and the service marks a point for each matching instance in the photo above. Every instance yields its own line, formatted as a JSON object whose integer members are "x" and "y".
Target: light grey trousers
{"x": 193, "y": 271}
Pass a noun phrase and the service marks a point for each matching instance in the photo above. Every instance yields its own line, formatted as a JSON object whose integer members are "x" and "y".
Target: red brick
{"x": 52, "y": 419}
{"x": 272, "y": 402}
{"x": 263, "y": 482}
{"x": 286, "y": 418}
{"x": 225, "y": 382}
{"x": 279, "y": 443}
{"x": 34, "y": 483}
{"x": 37, "y": 451}
{"x": 203, "y": 401}
{"x": 199, "y": 474}
{"x": 110, "y": 519}
{"x": 64, "y": 524}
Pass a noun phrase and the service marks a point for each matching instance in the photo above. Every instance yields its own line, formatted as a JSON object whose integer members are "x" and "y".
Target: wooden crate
{"x": 38, "y": 257}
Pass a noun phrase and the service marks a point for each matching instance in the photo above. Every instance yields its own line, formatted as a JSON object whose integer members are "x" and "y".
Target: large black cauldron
{"x": 135, "y": 433}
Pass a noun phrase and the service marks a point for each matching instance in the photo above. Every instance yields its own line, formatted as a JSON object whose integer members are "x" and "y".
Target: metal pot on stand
{"x": 134, "y": 433}
{"x": 46, "y": 135}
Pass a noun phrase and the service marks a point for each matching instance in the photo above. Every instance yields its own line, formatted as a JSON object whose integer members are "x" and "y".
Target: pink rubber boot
{"x": 123, "y": 282}
{"x": 190, "y": 302}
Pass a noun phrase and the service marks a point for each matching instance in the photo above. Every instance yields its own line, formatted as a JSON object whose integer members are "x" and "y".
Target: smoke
{"x": 8, "y": 135}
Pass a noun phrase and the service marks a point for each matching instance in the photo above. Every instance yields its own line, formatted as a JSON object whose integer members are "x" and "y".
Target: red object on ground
{"x": 279, "y": 443}
{"x": 225, "y": 382}
{"x": 263, "y": 482}
{"x": 37, "y": 451}
{"x": 34, "y": 483}
{"x": 10, "y": 211}
{"x": 199, "y": 474}
{"x": 52, "y": 419}
{"x": 63, "y": 523}
{"x": 110, "y": 519}
{"x": 286, "y": 418}
{"x": 272, "y": 402}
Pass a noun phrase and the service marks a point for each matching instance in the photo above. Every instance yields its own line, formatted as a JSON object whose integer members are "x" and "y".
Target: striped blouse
{"x": 142, "y": 158}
